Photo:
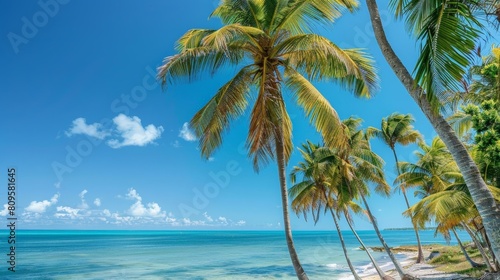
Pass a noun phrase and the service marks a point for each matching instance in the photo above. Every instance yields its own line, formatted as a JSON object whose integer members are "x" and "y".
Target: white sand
{"x": 422, "y": 271}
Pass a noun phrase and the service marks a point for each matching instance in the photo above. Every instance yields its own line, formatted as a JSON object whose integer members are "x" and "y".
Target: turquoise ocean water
{"x": 197, "y": 255}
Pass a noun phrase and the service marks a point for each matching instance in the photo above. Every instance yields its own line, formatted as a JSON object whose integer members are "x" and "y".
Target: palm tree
{"x": 433, "y": 171}
{"x": 271, "y": 43}
{"x": 368, "y": 168}
{"x": 449, "y": 209}
{"x": 448, "y": 53}
{"x": 316, "y": 191}
{"x": 358, "y": 165}
{"x": 398, "y": 129}
{"x": 445, "y": 199}
{"x": 485, "y": 78}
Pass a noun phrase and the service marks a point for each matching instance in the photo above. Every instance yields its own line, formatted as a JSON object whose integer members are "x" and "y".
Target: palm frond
{"x": 319, "y": 111}
{"x": 228, "y": 103}
{"x": 448, "y": 36}
{"x": 244, "y": 12}
{"x": 300, "y": 15}
{"x": 321, "y": 59}
{"x": 191, "y": 62}
{"x": 223, "y": 38}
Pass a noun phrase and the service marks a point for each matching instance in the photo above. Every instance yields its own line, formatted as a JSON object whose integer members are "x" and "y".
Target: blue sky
{"x": 97, "y": 143}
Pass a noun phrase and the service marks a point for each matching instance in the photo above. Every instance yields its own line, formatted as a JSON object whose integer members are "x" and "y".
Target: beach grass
{"x": 450, "y": 258}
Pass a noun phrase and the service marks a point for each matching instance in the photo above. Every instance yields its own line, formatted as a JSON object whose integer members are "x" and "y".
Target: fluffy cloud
{"x": 67, "y": 212}
{"x": 133, "y": 133}
{"x": 207, "y": 217}
{"x": 41, "y": 206}
{"x": 5, "y": 210}
{"x": 97, "y": 202}
{"x": 222, "y": 220}
{"x": 186, "y": 133}
{"x": 83, "y": 204}
{"x": 81, "y": 127}
{"x": 139, "y": 210}
{"x": 127, "y": 131}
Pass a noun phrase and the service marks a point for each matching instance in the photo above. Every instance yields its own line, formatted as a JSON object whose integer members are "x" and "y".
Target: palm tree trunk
{"x": 380, "y": 272}
{"x": 299, "y": 271}
{"x": 488, "y": 243}
{"x": 420, "y": 256}
{"x": 386, "y": 247}
{"x": 356, "y": 276}
{"x": 472, "y": 263}
{"x": 479, "y": 247}
{"x": 483, "y": 199}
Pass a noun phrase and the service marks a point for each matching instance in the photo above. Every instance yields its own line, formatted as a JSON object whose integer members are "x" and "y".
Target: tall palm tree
{"x": 367, "y": 166}
{"x": 447, "y": 52}
{"x": 398, "y": 129}
{"x": 271, "y": 43}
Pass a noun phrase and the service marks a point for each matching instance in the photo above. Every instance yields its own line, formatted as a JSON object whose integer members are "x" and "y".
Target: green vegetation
{"x": 452, "y": 260}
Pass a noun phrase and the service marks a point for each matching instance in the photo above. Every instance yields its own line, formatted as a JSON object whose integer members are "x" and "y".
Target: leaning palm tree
{"x": 448, "y": 31}
{"x": 316, "y": 190}
{"x": 367, "y": 167}
{"x": 356, "y": 166}
{"x": 271, "y": 44}
{"x": 397, "y": 129}
{"x": 449, "y": 209}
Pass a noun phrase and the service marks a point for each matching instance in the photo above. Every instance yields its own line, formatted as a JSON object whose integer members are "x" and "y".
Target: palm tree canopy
{"x": 447, "y": 31}
{"x": 270, "y": 43}
{"x": 396, "y": 129}
{"x": 433, "y": 171}
{"x": 341, "y": 175}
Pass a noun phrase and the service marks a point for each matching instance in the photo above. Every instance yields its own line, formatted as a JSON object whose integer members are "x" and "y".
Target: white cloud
{"x": 57, "y": 185}
{"x": 208, "y": 217}
{"x": 222, "y": 220}
{"x": 211, "y": 159}
{"x": 133, "y": 133}
{"x": 241, "y": 223}
{"x": 83, "y": 204}
{"x": 97, "y": 202}
{"x": 41, "y": 206}
{"x": 106, "y": 212}
{"x": 139, "y": 210}
{"x": 67, "y": 212}
{"x": 171, "y": 219}
{"x": 186, "y": 133}
{"x": 81, "y": 127}
{"x": 5, "y": 210}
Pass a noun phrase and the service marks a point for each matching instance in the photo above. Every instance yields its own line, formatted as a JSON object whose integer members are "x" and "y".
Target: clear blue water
{"x": 69, "y": 254}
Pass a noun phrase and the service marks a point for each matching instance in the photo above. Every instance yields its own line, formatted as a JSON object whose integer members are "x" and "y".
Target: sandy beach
{"x": 421, "y": 271}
